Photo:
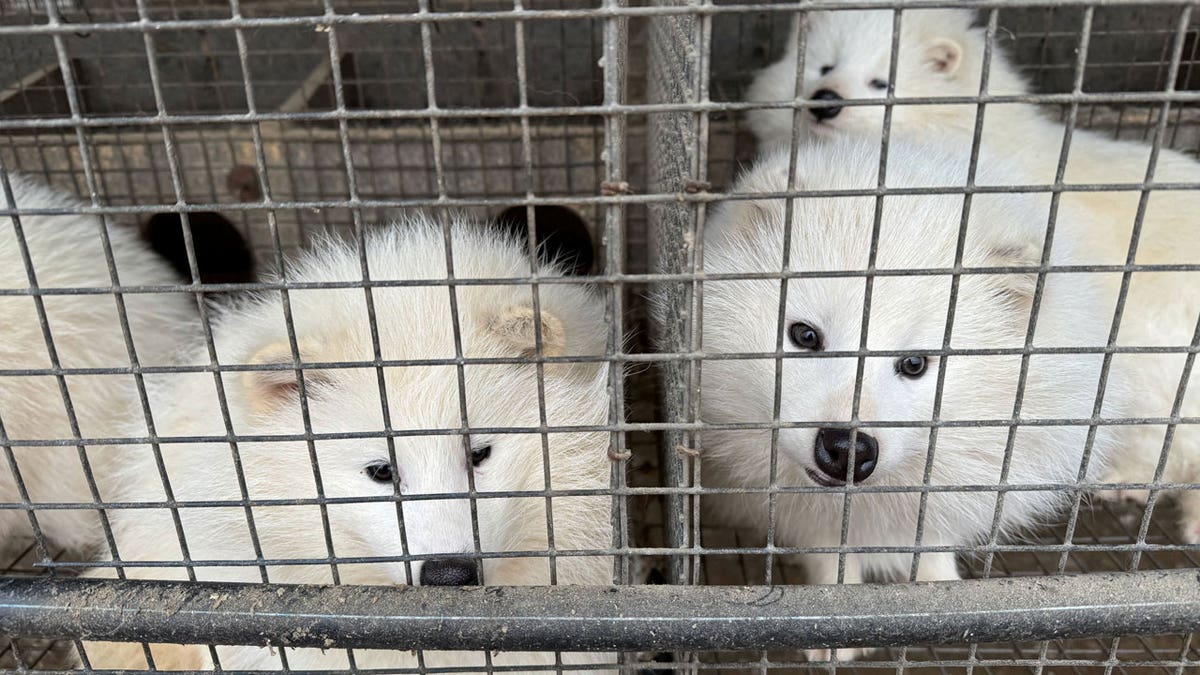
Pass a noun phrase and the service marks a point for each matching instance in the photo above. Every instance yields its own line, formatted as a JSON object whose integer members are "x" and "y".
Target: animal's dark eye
{"x": 825, "y": 70}
{"x": 805, "y": 336}
{"x": 380, "y": 472}
{"x": 879, "y": 84}
{"x": 912, "y": 366}
{"x": 478, "y": 455}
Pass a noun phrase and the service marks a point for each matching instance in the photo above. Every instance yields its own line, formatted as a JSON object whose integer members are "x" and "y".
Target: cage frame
{"x": 680, "y": 108}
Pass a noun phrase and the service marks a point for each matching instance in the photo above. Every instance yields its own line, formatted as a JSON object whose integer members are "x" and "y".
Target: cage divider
{"x": 672, "y": 155}
{"x": 615, "y": 43}
{"x": 701, "y": 183}
{"x": 672, "y": 152}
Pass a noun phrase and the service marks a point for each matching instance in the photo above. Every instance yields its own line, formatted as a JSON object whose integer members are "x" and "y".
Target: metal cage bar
{"x": 602, "y": 619}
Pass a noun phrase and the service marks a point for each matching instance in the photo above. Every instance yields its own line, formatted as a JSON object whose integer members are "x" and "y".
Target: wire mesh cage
{"x": 617, "y": 457}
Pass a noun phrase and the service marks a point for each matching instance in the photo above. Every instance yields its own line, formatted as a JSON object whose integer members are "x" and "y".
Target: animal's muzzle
{"x": 450, "y": 572}
{"x": 834, "y": 453}
{"x": 826, "y": 113}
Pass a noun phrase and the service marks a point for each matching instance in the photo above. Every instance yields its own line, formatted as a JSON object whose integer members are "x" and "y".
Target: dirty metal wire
{"x": 615, "y": 69}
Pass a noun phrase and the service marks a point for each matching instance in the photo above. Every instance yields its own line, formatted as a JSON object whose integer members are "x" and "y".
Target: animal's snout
{"x": 833, "y": 451}
{"x": 829, "y": 112}
{"x": 449, "y": 572}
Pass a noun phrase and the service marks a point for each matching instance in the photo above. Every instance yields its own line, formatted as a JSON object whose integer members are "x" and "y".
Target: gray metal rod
{"x": 603, "y": 618}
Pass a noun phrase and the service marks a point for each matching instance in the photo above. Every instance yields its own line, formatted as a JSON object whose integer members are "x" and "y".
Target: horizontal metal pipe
{"x": 603, "y": 618}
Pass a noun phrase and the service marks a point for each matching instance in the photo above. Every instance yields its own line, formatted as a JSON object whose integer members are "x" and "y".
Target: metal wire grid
{"x": 1101, "y": 525}
{"x": 351, "y": 181}
{"x": 685, "y": 469}
{"x": 173, "y": 148}
{"x": 680, "y": 253}
{"x": 291, "y": 74}
{"x": 681, "y": 250}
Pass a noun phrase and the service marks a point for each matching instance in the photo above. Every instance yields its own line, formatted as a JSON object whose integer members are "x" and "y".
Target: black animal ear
{"x": 562, "y": 234}
{"x": 222, "y": 256}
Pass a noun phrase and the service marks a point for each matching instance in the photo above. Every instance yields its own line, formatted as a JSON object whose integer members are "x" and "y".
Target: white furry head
{"x": 907, "y": 320}
{"x": 848, "y": 56}
{"x": 414, "y": 322}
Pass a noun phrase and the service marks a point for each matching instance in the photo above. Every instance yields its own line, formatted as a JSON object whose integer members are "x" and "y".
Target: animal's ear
{"x": 943, "y": 56}
{"x": 1018, "y": 287}
{"x": 767, "y": 211}
{"x": 266, "y": 389}
{"x": 517, "y": 327}
{"x": 752, "y": 215}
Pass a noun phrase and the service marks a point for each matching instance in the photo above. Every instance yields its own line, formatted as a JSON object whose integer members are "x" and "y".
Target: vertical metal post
{"x": 672, "y": 154}
{"x": 616, "y": 53}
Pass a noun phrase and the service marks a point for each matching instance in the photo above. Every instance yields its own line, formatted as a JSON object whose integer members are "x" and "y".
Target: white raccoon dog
{"x": 67, "y": 252}
{"x": 941, "y": 54}
{"x": 414, "y": 322}
{"x": 908, "y": 321}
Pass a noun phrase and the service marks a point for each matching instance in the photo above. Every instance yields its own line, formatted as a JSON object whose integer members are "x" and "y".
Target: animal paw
{"x": 843, "y": 654}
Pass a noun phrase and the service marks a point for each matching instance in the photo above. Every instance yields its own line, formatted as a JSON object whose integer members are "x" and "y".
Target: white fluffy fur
{"x": 1161, "y": 308}
{"x": 908, "y": 314}
{"x": 67, "y": 252}
{"x": 414, "y": 323}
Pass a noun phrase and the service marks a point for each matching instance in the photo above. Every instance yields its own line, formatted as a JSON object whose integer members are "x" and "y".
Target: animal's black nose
{"x": 449, "y": 572}
{"x": 832, "y": 451}
{"x": 826, "y": 113}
